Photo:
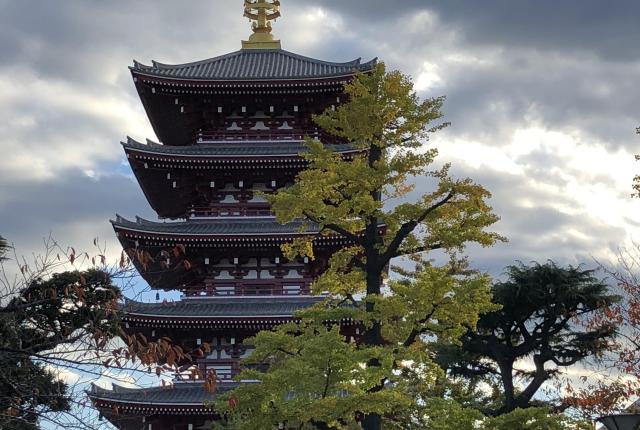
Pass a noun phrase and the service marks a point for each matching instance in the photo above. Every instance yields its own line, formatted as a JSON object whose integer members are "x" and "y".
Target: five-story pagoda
{"x": 231, "y": 129}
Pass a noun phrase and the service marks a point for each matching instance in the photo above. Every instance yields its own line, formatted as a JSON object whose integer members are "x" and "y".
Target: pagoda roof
{"x": 186, "y": 396}
{"x": 255, "y": 65}
{"x": 222, "y": 307}
{"x": 217, "y": 227}
{"x": 230, "y": 149}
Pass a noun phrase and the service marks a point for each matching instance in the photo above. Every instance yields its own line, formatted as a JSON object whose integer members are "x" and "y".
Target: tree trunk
{"x": 372, "y": 422}
{"x": 373, "y": 336}
{"x": 506, "y": 372}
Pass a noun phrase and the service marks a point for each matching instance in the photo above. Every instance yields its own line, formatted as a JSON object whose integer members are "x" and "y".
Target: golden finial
{"x": 261, "y": 12}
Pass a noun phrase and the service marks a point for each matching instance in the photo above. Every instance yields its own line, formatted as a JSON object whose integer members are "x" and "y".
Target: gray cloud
{"x": 609, "y": 30}
{"x": 567, "y": 66}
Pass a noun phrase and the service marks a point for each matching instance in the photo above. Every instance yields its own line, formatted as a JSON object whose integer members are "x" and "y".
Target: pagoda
{"x": 231, "y": 130}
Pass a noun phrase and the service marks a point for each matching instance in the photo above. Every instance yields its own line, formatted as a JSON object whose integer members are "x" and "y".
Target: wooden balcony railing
{"x": 252, "y": 287}
{"x": 227, "y": 210}
{"x": 257, "y": 135}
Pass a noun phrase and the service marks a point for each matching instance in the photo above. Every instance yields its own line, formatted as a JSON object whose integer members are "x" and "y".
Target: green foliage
{"x": 324, "y": 378}
{"x": 46, "y": 315}
{"x": 542, "y": 317}
{"x": 534, "y": 419}
{"x": 315, "y": 378}
{"x": 387, "y": 122}
{"x": 318, "y": 376}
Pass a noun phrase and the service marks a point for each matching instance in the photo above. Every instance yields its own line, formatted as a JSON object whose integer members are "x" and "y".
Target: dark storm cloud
{"x": 72, "y": 208}
{"x": 504, "y": 66}
{"x": 83, "y": 41}
{"x": 608, "y": 29}
{"x": 576, "y": 92}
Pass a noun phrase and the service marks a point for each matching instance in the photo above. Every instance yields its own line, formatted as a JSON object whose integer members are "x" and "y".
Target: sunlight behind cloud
{"x": 429, "y": 78}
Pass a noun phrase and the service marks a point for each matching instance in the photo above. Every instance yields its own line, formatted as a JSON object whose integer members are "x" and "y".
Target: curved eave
{"x": 179, "y": 399}
{"x": 142, "y": 405}
{"x": 253, "y": 67}
{"x": 126, "y": 407}
{"x": 242, "y": 83}
{"x": 231, "y": 309}
{"x": 144, "y": 227}
{"x": 245, "y": 323}
{"x": 156, "y": 152}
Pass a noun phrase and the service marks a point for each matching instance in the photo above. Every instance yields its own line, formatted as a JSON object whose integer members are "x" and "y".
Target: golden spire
{"x": 261, "y": 12}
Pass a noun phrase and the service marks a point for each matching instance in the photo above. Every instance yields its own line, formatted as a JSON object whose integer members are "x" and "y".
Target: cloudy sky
{"x": 543, "y": 97}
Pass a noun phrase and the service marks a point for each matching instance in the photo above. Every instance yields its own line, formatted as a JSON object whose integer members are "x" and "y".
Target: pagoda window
{"x": 240, "y": 184}
{"x": 230, "y": 187}
{"x": 271, "y": 109}
{"x": 212, "y": 184}
{"x": 229, "y": 198}
{"x": 259, "y": 114}
{"x": 168, "y": 175}
{"x": 206, "y": 261}
{"x": 264, "y": 274}
{"x": 177, "y": 101}
{"x": 259, "y": 126}
{"x": 219, "y": 109}
{"x": 258, "y": 199}
{"x": 146, "y": 166}
{"x": 244, "y": 109}
{"x": 264, "y": 262}
{"x": 295, "y": 108}
{"x": 293, "y": 274}
{"x": 224, "y": 274}
{"x": 175, "y": 184}
{"x": 274, "y": 184}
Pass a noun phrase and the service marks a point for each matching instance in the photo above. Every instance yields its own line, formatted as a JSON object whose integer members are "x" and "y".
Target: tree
{"x": 544, "y": 309}
{"x": 52, "y": 320}
{"x": 46, "y": 315}
{"x": 364, "y": 201}
{"x": 612, "y": 394}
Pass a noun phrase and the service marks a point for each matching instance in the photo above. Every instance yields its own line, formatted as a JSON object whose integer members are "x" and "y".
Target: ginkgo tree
{"x": 318, "y": 377}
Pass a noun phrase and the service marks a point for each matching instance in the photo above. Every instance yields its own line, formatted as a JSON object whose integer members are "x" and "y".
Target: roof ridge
{"x": 265, "y": 220}
{"x": 163, "y": 66}
{"x": 159, "y": 65}
{"x": 248, "y": 64}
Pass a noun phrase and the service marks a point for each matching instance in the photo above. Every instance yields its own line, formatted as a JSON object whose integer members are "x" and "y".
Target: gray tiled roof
{"x": 179, "y": 394}
{"x": 232, "y": 149}
{"x": 224, "y": 307}
{"x": 271, "y": 64}
{"x": 217, "y": 227}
